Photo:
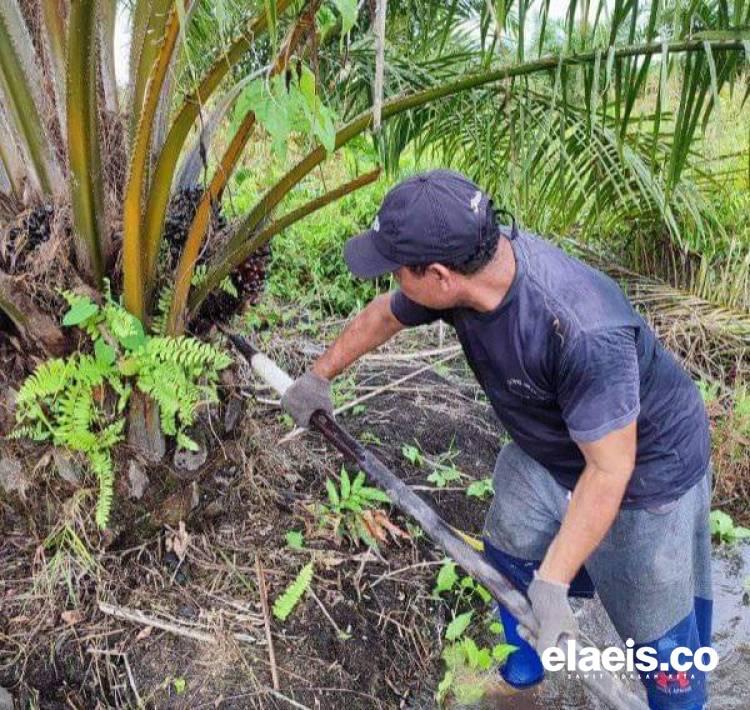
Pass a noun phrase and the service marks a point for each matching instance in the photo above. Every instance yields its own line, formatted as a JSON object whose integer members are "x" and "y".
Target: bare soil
{"x": 370, "y": 635}
{"x": 58, "y": 649}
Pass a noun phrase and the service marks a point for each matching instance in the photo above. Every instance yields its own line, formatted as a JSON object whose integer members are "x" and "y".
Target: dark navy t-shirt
{"x": 565, "y": 358}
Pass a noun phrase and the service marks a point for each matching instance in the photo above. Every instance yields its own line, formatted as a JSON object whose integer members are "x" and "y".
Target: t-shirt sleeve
{"x": 411, "y": 314}
{"x": 599, "y": 386}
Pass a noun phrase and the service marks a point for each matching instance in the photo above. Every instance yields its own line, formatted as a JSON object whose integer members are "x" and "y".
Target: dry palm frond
{"x": 713, "y": 340}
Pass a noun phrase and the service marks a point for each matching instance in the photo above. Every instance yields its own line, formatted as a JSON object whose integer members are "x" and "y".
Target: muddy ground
{"x": 171, "y": 617}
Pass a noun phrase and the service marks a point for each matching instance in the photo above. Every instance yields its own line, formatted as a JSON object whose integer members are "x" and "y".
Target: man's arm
{"x": 370, "y": 328}
{"x": 592, "y": 510}
{"x": 594, "y": 504}
{"x": 599, "y": 395}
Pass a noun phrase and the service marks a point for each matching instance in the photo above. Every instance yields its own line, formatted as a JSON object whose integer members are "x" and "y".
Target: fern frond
{"x": 123, "y": 325}
{"x": 285, "y": 604}
{"x": 164, "y": 302}
{"x": 101, "y": 465}
{"x": 36, "y": 433}
{"x": 48, "y": 379}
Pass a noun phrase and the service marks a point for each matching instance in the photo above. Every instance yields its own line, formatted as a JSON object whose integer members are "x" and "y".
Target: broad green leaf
{"x": 721, "y": 524}
{"x": 104, "y": 352}
{"x": 324, "y": 128}
{"x": 502, "y": 650}
{"x": 412, "y": 454}
{"x": 136, "y": 338}
{"x": 496, "y": 627}
{"x": 480, "y": 489}
{"x": 307, "y": 86}
{"x": 457, "y": 627}
{"x": 472, "y": 652}
{"x": 295, "y": 540}
{"x": 478, "y": 658}
{"x": 446, "y": 578}
{"x": 483, "y": 593}
{"x": 348, "y": 10}
{"x": 80, "y": 312}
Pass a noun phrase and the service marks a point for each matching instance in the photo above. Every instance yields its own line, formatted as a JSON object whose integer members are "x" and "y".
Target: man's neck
{"x": 486, "y": 290}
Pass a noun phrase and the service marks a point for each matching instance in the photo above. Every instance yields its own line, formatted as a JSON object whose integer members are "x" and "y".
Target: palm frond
{"x": 197, "y": 154}
{"x": 54, "y": 17}
{"x": 166, "y": 164}
{"x": 83, "y": 139}
{"x": 420, "y": 99}
{"x": 107, "y": 22}
{"x": 220, "y": 269}
{"x": 151, "y": 20}
{"x": 133, "y": 257}
{"x": 10, "y": 156}
{"x": 188, "y": 259}
{"x": 21, "y": 83}
{"x": 712, "y": 338}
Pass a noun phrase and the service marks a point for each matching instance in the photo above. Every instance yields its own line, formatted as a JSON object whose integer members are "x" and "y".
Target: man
{"x": 607, "y": 479}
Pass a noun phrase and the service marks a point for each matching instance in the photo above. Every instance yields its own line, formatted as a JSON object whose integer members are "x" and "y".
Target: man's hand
{"x": 549, "y": 602}
{"x": 306, "y": 395}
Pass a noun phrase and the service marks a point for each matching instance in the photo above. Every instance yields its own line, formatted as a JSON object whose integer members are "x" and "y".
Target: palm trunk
{"x": 36, "y": 328}
{"x": 144, "y": 428}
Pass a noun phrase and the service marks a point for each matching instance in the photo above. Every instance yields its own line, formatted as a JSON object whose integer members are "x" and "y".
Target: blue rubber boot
{"x": 704, "y": 609}
{"x": 669, "y": 689}
{"x": 524, "y": 667}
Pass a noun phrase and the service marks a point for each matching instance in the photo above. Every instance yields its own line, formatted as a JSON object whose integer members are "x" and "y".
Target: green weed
{"x": 480, "y": 489}
{"x": 413, "y": 454}
{"x": 285, "y": 604}
{"x": 464, "y": 657}
{"x": 347, "y": 510}
{"x": 78, "y": 402}
{"x": 724, "y": 529}
{"x": 295, "y": 540}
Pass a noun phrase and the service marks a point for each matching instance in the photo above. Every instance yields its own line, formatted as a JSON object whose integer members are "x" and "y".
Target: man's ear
{"x": 442, "y": 273}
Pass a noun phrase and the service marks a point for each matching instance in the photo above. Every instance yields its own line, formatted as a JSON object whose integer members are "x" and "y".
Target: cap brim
{"x": 364, "y": 260}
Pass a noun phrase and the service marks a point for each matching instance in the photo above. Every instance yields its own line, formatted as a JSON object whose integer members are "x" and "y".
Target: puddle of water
{"x": 730, "y": 682}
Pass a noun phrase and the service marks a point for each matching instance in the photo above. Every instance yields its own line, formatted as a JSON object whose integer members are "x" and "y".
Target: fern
{"x": 285, "y": 604}
{"x": 101, "y": 464}
{"x": 163, "y": 304}
{"x": 63, "y": 399}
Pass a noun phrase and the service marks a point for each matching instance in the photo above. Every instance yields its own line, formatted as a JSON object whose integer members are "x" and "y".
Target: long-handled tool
{"x": 604, "y": 685}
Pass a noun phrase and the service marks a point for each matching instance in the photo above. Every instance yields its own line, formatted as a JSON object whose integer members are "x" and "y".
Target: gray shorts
{"x": 647, "y": 569}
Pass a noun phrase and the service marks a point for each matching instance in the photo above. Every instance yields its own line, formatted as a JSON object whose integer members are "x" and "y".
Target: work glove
{"x": 549, "y": 602}
{"x": 306, "y": 395}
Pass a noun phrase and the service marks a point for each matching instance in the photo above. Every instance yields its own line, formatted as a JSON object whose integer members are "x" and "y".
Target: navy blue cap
{"x": 437, "y": 216}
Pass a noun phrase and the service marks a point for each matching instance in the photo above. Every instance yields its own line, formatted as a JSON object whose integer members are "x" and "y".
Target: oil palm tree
{"x": 66, "y": 130}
